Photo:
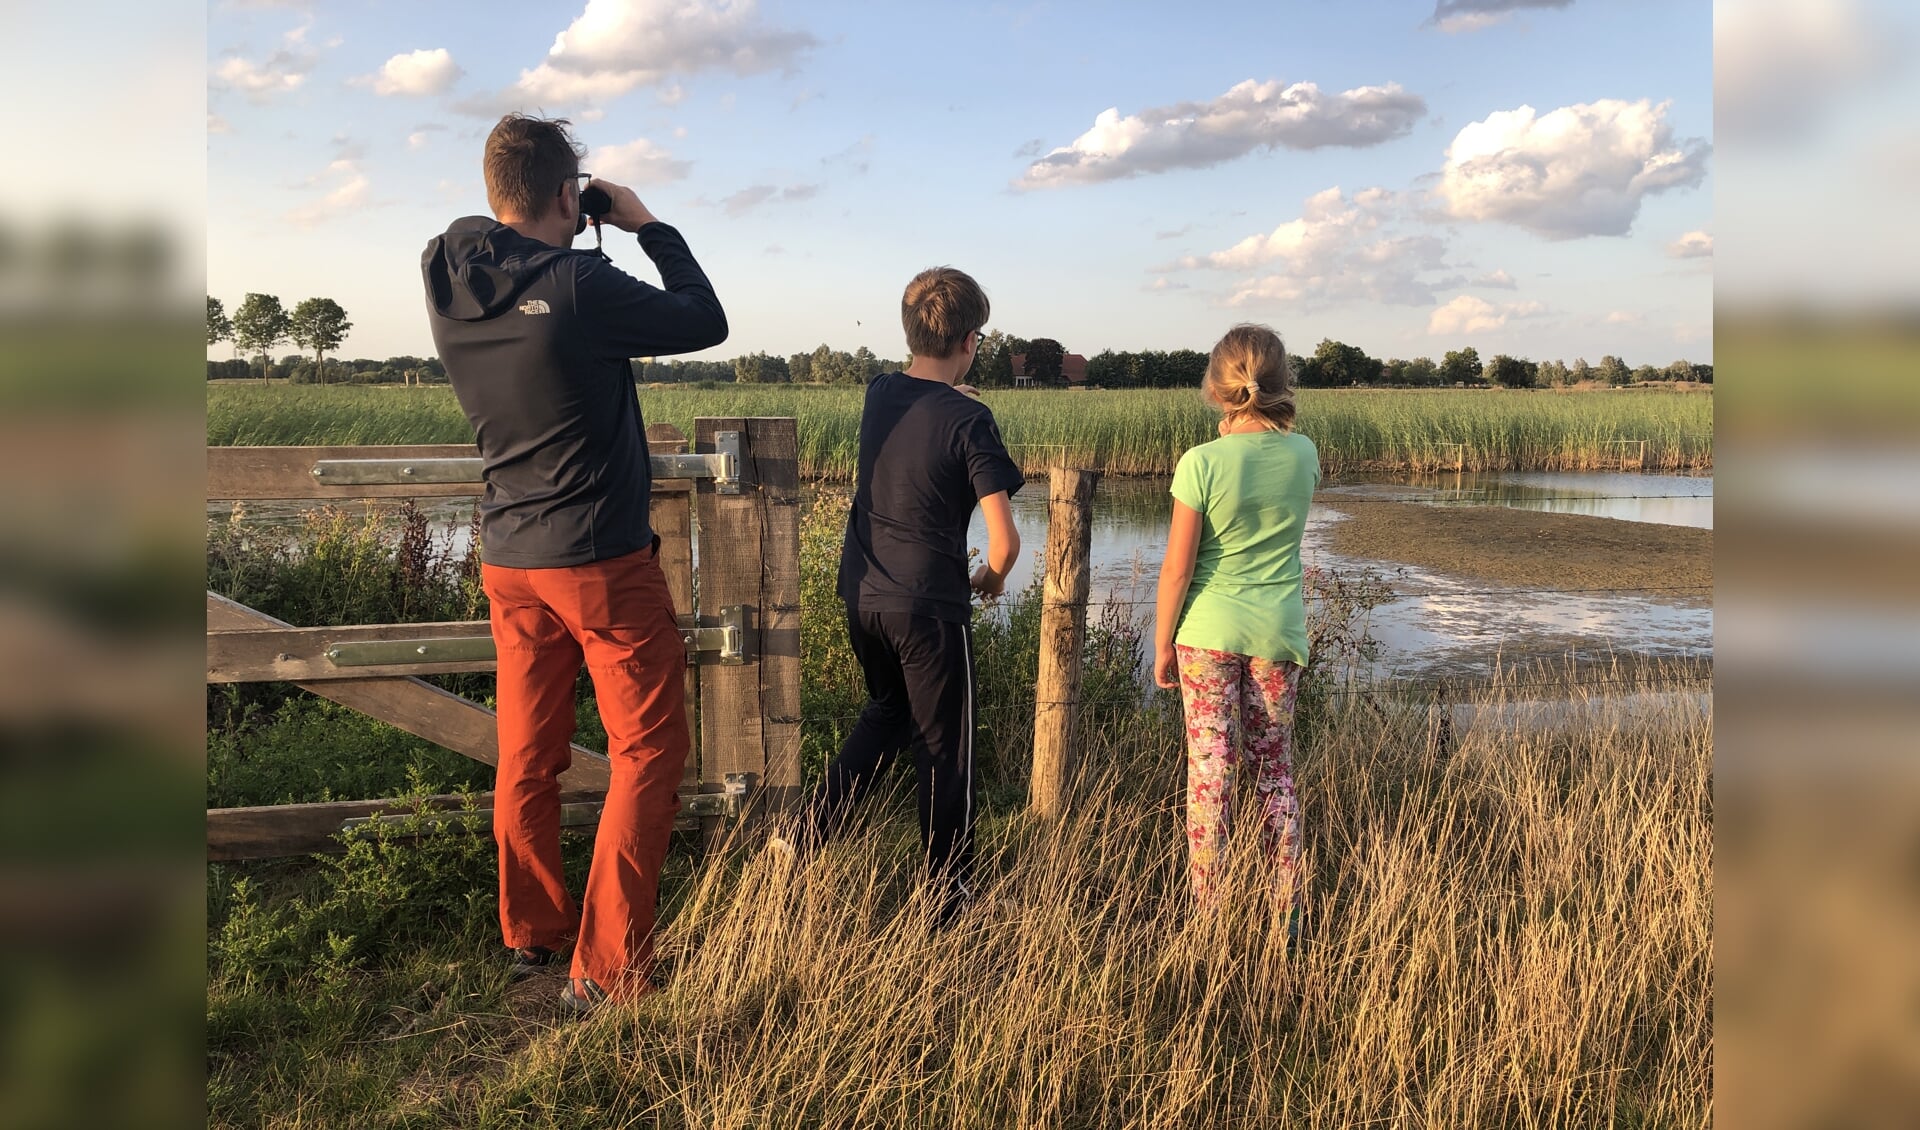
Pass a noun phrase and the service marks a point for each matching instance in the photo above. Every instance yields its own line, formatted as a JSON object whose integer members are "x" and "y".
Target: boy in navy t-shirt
{"x": 929, "y": 453}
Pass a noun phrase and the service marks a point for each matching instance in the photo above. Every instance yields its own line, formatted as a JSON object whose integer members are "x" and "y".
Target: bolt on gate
{"x": 728, "y": 516}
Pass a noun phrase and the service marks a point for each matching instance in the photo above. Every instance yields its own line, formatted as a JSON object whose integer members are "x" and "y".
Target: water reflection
{"x": 1444, "y": 626}
{"x": 1667, "y": 500}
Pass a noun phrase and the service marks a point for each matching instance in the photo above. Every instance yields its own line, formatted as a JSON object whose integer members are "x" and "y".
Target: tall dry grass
{"x": 1510, "y": 930}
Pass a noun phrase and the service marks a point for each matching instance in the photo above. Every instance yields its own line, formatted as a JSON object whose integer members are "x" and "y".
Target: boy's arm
{"x": 1003, "y": 545}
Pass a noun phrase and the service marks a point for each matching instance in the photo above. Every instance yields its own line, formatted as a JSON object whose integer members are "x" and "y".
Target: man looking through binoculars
{"x": 535, "y": 338}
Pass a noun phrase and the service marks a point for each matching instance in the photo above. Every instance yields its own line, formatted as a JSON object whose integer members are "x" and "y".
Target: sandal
{"x": 594, "y": 996}
{"x": 527, "y": 961}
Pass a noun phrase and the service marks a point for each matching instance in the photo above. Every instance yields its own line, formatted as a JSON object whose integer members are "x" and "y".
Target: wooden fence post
{"x": 749, "y": 546}
{"x": 1063, "y": 634}
{"x": 671, "y": 516}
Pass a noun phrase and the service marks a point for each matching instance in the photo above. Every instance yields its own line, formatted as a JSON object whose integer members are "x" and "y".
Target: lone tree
{"x": 1511, "y": 372}
{"x": 1420, "y": 372}
{"x": 219, "y": 326}
{"x": 1044, "y": 358}
{"x": 993, "y": 365}
{"x": 760, "y": 368}
{"x": 258, "y": 326}
{"x": 1461, "y": 366}
{"x": 1343, "y": 364}
{"x": 321, "y": 325}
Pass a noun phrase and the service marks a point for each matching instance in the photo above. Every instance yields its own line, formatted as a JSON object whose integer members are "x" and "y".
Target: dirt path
{"x": 1525, "y": 547}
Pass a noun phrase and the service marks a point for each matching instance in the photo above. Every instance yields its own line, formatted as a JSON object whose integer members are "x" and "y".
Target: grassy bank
{"x": 1505, "y": 927}
{"x": 1138, "y": 432}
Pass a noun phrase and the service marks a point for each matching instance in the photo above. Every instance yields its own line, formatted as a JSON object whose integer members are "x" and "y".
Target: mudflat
{"x": 1527, "y": 548}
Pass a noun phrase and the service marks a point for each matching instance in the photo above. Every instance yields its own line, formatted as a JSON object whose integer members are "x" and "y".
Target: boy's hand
{"x": 1166, "y": 666}
{"x": 988, "y": 583}
{"x": 968, "y": 390}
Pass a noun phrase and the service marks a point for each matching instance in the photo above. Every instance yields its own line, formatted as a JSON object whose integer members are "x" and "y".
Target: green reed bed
{"x": 1136, "y": 432}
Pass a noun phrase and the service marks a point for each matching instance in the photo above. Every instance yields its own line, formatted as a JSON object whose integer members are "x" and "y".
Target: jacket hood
{"x": 478, "y": 268}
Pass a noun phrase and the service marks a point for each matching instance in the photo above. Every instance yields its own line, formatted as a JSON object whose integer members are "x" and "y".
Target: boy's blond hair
{"x": 1247, "y": 375}
{"x": 940, "y": 308}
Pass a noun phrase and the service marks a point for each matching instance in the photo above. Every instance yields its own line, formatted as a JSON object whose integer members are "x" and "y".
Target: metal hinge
{"x": 379, "y": 653}
{"x": 722, "y": 465}
{"x": 727, "y": 805}
{"x": 724, "y": 643}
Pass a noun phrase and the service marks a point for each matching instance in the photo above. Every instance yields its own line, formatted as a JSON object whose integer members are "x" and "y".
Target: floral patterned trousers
{"x": 1223, "y": 691}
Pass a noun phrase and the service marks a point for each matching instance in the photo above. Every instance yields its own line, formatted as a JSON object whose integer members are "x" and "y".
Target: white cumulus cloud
{"x": 414, "y": 73}
{"x": 281, "y": 73}
{"x": 614, "y": 46}
{"x": 349, "y": 192}
{"x": 1466, "y": 314}
{"x": 1497, "y": 280}
{"x": 422, "y": 135}
{"x": 747, "y": 199}
{"x": 1340, "y": 248}
{"x": 637, "y": 163}
{"x": 1472, "y": 15}
{"x": 1252, "y": 115}
{"x": 1576, "y": 171}
{"x": 1693, "y": 245}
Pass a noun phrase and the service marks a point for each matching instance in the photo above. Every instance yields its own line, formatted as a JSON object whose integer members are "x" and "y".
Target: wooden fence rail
{"x": 728, "y": 517}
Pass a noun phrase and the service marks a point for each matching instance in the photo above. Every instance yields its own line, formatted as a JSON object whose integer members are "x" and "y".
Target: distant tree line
{"x": 298, "y": 369}
{"x": 1335, "y": 364}
{"x": 320, "y": 325}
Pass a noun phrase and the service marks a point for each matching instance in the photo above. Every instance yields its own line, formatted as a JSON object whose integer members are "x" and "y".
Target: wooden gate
{"x": 728, "y": 516}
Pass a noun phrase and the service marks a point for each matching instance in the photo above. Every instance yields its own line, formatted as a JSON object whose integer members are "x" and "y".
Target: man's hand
{"x": 627, "y": 213}
{"x": 988, "y": 583}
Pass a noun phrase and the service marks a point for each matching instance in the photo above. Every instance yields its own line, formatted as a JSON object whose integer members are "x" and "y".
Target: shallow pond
{"x": 1439, "y": 625}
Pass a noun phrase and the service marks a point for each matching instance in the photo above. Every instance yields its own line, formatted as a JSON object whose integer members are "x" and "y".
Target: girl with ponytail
{"x": 1231, "y": 629}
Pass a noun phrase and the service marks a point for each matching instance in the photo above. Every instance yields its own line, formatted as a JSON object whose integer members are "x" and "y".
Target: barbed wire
{"x": 1398, "y": 594}
{"x": 1467, "y": 687}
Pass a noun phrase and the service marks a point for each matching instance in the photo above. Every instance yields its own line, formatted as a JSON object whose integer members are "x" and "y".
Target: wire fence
{"x": 1094, "y": 602}
{"x": 1462, "y": 688}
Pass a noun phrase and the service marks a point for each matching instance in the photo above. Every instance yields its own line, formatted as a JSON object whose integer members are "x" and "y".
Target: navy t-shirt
{"x": 928, "y": 455}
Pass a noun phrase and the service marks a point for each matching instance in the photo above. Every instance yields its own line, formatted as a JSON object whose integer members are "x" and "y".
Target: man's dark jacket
{"x": 536, "y": 340}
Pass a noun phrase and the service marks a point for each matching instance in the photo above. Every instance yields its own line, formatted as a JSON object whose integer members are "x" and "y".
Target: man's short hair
{"x": 527, "y": 162}
{"x": 940, "y": 308}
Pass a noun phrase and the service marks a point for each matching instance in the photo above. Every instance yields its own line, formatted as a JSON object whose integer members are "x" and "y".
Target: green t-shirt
{"x": 1251, "y": 490}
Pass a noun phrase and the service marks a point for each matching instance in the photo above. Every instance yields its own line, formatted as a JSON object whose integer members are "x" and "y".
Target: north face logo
{"x": 535, "y": 306}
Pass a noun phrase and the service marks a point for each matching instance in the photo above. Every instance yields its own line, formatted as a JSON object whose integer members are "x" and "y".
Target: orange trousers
{"x": 616, "y": 617}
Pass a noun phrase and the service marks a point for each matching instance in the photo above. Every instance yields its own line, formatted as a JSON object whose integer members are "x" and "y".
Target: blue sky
{"x": 1526, "y": 176}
